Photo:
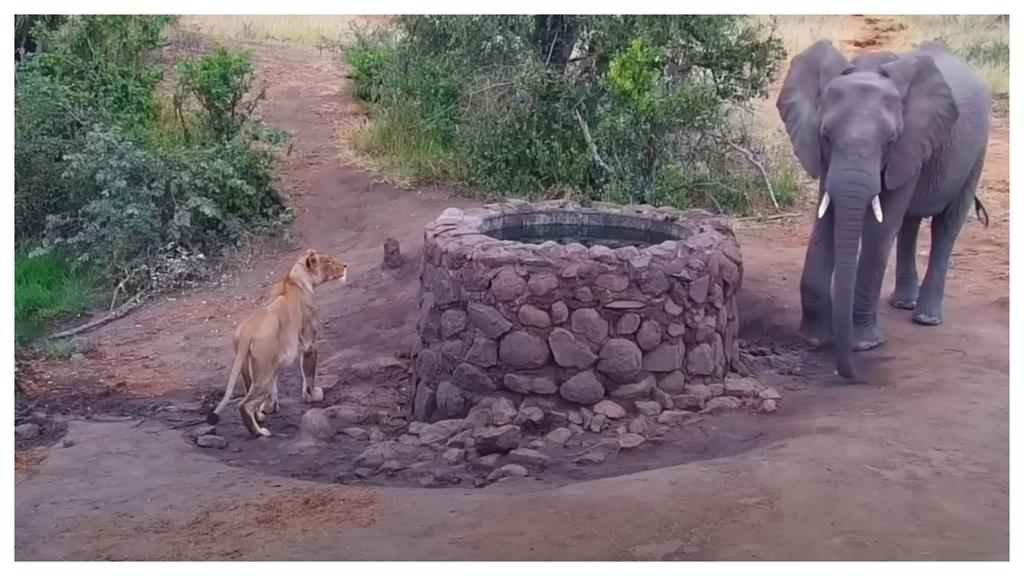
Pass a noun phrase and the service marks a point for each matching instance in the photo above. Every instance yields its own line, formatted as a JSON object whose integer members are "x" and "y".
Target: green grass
{"x": 47, "y": 289}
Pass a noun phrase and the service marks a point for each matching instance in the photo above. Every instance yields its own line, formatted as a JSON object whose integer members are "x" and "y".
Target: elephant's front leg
{"x": 816, "y": 282}
{"x": 904, "y": 296}
{"x": 876, "y": 243}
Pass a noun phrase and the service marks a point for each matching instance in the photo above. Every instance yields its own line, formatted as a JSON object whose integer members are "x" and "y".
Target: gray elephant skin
{"x": 891, "y": 139}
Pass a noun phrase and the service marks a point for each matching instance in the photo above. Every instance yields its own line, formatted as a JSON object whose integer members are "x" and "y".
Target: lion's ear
{"x": 311, "y": 259}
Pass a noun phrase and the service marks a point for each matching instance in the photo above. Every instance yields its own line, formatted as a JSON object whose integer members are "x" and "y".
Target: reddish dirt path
{"x": 914, "y": 466}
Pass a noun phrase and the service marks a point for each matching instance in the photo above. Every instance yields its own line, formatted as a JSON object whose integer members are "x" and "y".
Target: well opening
{"x": 554, "y": 315}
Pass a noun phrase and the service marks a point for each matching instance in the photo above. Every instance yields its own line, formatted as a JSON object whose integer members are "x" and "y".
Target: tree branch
{"x": 590, "y": 144}
{"x": 760, "y": 167}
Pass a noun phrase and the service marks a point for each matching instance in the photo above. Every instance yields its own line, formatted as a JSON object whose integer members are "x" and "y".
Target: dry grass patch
{"x": 308, "y": 30}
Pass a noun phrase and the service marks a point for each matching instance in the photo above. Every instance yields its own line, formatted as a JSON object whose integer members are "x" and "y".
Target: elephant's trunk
{"x": 849, "y": 219}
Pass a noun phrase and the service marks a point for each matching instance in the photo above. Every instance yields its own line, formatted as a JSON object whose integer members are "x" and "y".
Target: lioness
{"x": 273, "y": 337}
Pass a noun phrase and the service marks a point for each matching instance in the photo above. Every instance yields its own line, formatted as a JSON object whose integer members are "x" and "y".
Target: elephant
{"x": 891, "y": 139}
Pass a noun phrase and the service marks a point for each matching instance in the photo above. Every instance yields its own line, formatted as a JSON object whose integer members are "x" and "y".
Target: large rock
{"x": 453, "y": 321}
{"x": 649, "y": 335}
{"x": 508, "y": 471}
{"x": 635, "y": 391}
{"x": 316, "y": 425}
{"x": 470, "y": 378}
{"x": 488, "y": 320}
{"x": 507, "y": 285}
{"x": 559, "y": 436}
{"x": 674, "y": 417}
{"x": 568, "y": 351}
{"x": 529, "y": 457}
{"x": 612, "y": 282}
{"x": 620, "y": 359}
{"x": 495, "y": 440}
{"x": 610, "y": 409}
{"x": 583, "y": 388}
{"x": 449, "y": 400}
{"x": 663, "y": 398}
{"x": 701, "y": 360}
{"x": 523, "y": 350}
{"x": 483, "y": 353}
{"x": 529, "y": 415}
{"x": 589, "y": 324}
{"x": 559, "y": 312}
{"x": 664, "y": 358}
{"x": 377, "y": 454}
{"x": 703, "y": 391}
{"x": 648, "y": 407}
{"x": 524, "y": 384}
{"x": 628, "y": 324}
{"x": 530, "y": 315}
{"x": 722, "y": 403}
{"x": 673, "y": 382}
{"x": 423, "y": 403}
{"x": 742, "y": 387}
{"x": 699, "y": 289}
{"x": 26, "y": 431}
{"x": 211, "y": 441}
{"x": 631, "y": 440}
{"x": 542, "y": 283}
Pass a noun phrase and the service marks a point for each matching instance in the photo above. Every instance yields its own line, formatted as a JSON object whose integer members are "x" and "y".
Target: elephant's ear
{"x": 809, "y": 73}
{"x": 929, "y": 112}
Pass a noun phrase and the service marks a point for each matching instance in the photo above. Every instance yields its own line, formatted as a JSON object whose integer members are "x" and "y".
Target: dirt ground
{"x": 913, "y": 465}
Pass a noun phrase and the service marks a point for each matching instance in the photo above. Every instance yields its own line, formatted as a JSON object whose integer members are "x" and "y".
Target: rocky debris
{"x": 417, "y": 428}
{"x": 649, "y": 335}
{"x": 453, "y": 456}
{"x": 635, "y": 391}
{"x": 484, "y": 463}
{"x": 440, "y": 431}
{"x": 347, "y": 413}
{"x": 598, "y": 422}
{"x": 770, "y": 394}
{"x": 377, "y": 454}
{"x": 716, "y": 389}
{"x": 721, "y": 404}
{"x": 663, "y": 398}
{"x": 530, "y": 384}
{"x": 593, "y": 457}
{"x": 202, "y": 430}
{"x": 363, "y": 472}
{"x": 479, "y": 415}
{"x": 769, "y": 406}
{"x": 393, "y": 466}
{"x": 68, "y": 443}
{"x": 631, "y": 440}
{"x": 693, "y": 401}
{"x": 619, "y": 359}
{"x": 673, "y": 382}
{"x": 674, "y": 417}
{"x": 575, "y": 417}
{"x": 315, "y": 424}
{"x": 488, "y": 320}
{"x": 576, "y": 429}
{"x": 530, "y": 315}
{"x": 529, "y": 457}
{"x": 496, "y": 439}
{"x": 521, "y": 349}
{"x": 463, "y": 439}
{"x": 424, "y": 402}
{"x": 78, "y": 358}
{"x": 583, "y": 388}
{"x": 211, "y": 441}
{"x": 742, "y": 387}
{"x": 503, "y": 412}
{"x": 703, "y": 391}
{"x": 376, "y": 435}
{"x": 559, "y": 436}
{"x": 427, "y": 480}
{"x": 568, "y": 351}
{"x": 392, "y": 254}
{"x": 508, "y": 470}
{"x": 665, "y": 358}
{"x": 356, "y": 433}
{"x": 471, "y": 379}
{"x": 408, "y": 440}
{"x": 647, "y": 407}
{"x": 671, "y": 308}
{"x": 610, "y": 409}
{"x": 529, "y": 415}
{"x": 638, "y": 426}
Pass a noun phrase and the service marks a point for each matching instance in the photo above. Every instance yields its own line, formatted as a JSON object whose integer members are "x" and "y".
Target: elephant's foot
{"x": 816, "y": 335}
{"x": 927, "y": 319}
{"x": 904, "y": 299}
{"x": 866, "y": 338}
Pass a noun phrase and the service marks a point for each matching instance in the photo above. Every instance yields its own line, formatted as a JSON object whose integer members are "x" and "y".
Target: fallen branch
{"x": 772, "y": 217}
{"x": 760, "y": 167}
{"x": 590, "y": 144}
{"x": 123, "y": 310}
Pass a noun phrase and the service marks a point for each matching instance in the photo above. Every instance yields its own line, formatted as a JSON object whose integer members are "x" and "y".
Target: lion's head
{"x": 324, "y": 267}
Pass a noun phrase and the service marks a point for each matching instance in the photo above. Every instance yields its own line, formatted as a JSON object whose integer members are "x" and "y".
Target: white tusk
{"x": 876, "y": 207}
{"x": 824, "y": 204}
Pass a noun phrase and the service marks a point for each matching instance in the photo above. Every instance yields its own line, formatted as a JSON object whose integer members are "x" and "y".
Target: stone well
{"x": 560, "y": 306}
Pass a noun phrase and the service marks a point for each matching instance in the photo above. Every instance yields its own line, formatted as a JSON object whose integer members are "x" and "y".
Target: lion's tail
{"x": 241, "y": 355}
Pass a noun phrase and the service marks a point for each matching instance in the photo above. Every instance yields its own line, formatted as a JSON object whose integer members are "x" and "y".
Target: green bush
{"x": 105, "y": 183}
{"x": 47, "y": 288}
{"x": 622, "y": 107}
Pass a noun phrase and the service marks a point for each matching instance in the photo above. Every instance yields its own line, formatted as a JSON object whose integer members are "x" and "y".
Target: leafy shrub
{"x": 107, "y": 185}
{"x": 46, "y": 288}
{"x": 633, "y": 108}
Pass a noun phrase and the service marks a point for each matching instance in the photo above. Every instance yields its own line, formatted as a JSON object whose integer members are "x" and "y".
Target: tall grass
{"x": 46, "y": 289}
{"x": 308, "y": 30}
